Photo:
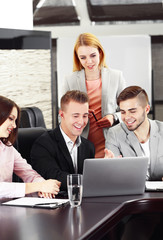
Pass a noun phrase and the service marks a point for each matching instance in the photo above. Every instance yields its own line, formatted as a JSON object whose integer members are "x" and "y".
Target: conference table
{"x": 94, "y": 219}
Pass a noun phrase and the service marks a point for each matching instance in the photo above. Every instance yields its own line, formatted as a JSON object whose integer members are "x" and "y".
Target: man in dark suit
{"x": 62, "y": 151}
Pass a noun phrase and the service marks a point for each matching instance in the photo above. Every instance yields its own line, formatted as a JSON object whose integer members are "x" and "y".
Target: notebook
{"x": 37, "y": 202}
{"x": 114, "y": 176}
{"x": 154, "y": 186}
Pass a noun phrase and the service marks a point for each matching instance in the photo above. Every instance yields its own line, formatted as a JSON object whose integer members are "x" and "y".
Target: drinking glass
{"x": 75, "y": 189}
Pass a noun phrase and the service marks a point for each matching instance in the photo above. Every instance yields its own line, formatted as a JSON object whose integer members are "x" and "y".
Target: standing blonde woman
{"x": 102, "y": 84}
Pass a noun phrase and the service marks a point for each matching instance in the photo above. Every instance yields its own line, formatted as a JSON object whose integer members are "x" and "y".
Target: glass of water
{"x": 75, "y": 189}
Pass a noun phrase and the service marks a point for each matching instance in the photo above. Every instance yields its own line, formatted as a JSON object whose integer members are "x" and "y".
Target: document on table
{"x": 37, "y": 202}
{"x": 154, "y": 185}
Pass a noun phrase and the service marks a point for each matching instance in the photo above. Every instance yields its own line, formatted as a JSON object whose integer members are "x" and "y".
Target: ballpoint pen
{"x": 48, "y": 203}
{"x": 94, "y": 116}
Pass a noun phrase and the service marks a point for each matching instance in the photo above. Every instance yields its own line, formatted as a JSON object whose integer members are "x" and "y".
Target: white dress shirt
{"x": 146, "y": 152}
{"x": 72, "y": 147}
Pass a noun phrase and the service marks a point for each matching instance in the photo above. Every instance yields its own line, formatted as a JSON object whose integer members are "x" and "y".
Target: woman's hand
{"x": 92, "y": 113}
{"x": 106, "y": 121}
{"x": 50, "y": 186}
{"x": 46, "y": 195}
{"x": 47, "y": 188}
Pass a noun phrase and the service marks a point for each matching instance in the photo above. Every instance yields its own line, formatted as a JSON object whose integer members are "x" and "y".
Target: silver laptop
{"x": 114, "y": 176}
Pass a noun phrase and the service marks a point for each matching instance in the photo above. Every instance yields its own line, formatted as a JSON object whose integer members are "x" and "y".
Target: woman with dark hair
{"x": 11, "y": 161}
{"x": 102, "y": 84}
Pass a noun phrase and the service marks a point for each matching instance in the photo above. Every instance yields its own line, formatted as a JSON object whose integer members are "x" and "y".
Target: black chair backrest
{"x": 25, "y": 140}
{"x": 31, "y": 117}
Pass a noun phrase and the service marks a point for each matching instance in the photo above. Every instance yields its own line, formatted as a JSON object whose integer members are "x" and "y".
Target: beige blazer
{"x": 112, "y": 84}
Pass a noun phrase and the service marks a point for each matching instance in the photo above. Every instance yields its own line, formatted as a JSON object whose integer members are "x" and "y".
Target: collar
{"x": 68, "y": 140}
{"x": 154, "y": 130}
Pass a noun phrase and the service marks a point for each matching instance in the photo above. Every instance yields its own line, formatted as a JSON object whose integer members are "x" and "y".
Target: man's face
{"x": 133, "y": 114}
{"x": 74, "y": 118}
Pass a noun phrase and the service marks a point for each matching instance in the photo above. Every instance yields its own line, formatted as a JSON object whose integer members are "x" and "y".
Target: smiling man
{"x": 137, "y": 135}
{"x": 62, "y": 151}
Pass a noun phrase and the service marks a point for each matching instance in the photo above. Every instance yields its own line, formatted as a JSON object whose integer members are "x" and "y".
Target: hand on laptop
{"x": 110, "y": 154}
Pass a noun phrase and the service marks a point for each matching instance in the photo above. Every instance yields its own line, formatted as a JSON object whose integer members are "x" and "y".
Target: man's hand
{"x": 110, "y": 154}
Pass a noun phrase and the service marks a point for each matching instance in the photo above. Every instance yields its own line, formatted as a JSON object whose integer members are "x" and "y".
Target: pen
{"x": 94, "y": 116}
{"x": 49, "y": 203}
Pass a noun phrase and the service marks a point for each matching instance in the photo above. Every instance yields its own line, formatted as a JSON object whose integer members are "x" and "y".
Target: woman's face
{"x": 89, "y": 58}
{"x": 7, "y": 127}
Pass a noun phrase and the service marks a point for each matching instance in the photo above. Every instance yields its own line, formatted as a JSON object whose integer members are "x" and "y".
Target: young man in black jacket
{"x": 62, "y": 151}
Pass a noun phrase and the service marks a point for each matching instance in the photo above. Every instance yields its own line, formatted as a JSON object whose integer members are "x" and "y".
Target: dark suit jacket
{"x": 50, "y": 156}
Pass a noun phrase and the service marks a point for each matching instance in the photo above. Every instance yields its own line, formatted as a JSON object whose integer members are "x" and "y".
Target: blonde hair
{"x": 87, "y": 39}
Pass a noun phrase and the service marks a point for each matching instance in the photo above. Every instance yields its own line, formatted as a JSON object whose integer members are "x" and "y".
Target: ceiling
{"x": 71, "y": 12}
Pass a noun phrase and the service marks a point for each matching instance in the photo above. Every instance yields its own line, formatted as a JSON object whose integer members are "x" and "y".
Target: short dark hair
{"x": 74, "y": 95}
{"x": 6, "y": 106}
{"x": 132, "y": 92}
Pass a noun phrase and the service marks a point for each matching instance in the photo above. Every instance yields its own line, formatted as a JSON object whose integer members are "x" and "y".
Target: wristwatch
{"x": 115, "y": 118}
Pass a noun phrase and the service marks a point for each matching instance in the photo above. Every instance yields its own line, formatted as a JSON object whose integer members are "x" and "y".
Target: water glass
{"x": 75, "y": 189}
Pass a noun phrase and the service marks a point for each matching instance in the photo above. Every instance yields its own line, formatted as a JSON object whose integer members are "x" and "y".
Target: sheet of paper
{"x": 154, "y": 185}
{"x": 32, "y": 201}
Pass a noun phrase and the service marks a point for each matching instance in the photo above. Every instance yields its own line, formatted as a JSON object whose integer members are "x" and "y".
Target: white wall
{"x": 16, "y": 14}
{"x": 107, "y": 30}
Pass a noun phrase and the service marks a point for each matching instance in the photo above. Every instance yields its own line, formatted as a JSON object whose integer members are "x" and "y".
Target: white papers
{"x": 37, "y": 202}
{"x": 154, "y": 185}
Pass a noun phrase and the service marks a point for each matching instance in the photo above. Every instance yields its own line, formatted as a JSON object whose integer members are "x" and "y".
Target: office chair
{"x": 24, "y": 142}
{"x": 31, "y": 117}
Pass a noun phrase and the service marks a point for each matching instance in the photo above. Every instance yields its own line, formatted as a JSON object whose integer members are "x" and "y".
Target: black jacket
{"x": 51, "y": 159}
